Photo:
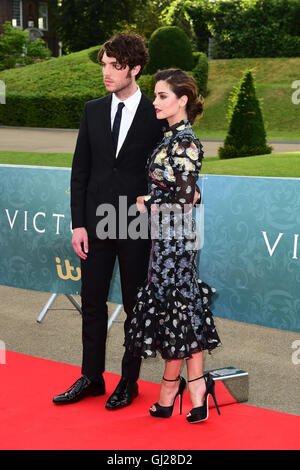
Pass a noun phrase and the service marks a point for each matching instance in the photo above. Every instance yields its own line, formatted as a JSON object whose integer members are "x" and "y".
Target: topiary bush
{"x": 147, "y": 85}
{"x": 93, "y": 53}
{"x": 200, "y": 73}
{"x": 246, "y": 135}
{"x": 169, "y": 46}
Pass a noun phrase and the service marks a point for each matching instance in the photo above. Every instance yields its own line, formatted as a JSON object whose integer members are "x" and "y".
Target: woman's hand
{"x": 196, "y": 197}
{"x": 140, "y": 204}
{"x": 154, "y": 208}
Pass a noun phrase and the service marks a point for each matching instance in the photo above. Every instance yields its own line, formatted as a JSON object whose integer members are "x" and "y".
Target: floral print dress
{"x": 172, "y": 313}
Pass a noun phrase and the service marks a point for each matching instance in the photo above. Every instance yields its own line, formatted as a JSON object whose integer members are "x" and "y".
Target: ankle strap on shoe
{"x": 202, "y": 377}
{"x": 172, "y": 380}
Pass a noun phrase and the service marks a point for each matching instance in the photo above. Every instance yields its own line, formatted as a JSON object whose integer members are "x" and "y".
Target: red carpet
{"x": 29, "y": 420}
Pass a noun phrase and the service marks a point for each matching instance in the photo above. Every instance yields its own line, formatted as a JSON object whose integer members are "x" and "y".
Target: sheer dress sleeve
{"x": 185, "y": 160}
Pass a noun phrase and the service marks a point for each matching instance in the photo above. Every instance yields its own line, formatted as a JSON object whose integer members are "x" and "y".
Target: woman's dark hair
{"x": 182, "y": 84}
{"x": 128, "y": 48}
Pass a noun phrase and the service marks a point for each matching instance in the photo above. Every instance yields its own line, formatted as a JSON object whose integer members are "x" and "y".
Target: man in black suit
{"x": 117, "y": 133}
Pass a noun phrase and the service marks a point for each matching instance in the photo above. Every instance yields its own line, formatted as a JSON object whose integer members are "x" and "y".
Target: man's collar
{"x": 130, "y": 102}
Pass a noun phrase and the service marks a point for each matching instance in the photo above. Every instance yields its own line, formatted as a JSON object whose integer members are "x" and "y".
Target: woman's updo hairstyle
{"x": 182, "y": 84}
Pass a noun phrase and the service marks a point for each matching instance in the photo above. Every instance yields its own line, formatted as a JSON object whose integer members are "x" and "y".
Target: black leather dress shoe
{"x": 79, "y": 390}
{"x": 123, "y": 395}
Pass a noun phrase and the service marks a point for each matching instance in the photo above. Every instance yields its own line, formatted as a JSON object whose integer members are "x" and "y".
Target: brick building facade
{"x": 32, "y": 15}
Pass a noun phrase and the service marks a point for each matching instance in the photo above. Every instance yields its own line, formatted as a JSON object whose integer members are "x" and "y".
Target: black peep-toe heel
{"x": 166, "y": 411}
{"x": 200, "y": 413}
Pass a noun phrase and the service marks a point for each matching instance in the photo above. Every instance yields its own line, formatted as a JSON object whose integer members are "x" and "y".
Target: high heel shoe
{"x": 200, "y": 413}
{"x": 166, "y": 411}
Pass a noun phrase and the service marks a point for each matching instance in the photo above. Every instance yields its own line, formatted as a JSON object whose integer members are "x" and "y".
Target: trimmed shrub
{"x": 93, "y": 54}
{"x": 43, "y": 110}
{"x": 196, "y": 56}
{"x": 52, "y": 94}
{"x": 60, "y": 111}
{"x": 147, "y": 84}
{"x": 200, "y": 73}
{"x": 169, "y": 46}
{"x": 290, "y": 46}
{"x": 246, "y": 135}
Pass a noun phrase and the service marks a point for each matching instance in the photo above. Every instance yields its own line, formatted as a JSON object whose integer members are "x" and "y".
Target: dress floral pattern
{"x": 172, "y": 313}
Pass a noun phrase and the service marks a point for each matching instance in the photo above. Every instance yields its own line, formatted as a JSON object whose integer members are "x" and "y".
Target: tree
{"x": 256, "y": 28}
{"x": 85, "y": 23}
{"x": 199, "y": 12}
{"x": 15, "y": 47}
{"x": 193, "y": 17}
{"x": 175, "y": 15}
{"x": 148, "y": 16}
{"x": 246, "y": 135}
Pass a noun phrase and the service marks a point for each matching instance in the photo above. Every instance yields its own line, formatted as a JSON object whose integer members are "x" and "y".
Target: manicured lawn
{"x": 76, "y": 74}
{"x": 275, "y": 165}
{"x": 36, "y": 158}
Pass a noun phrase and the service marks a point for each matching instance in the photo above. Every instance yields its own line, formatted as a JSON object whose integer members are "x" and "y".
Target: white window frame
{"x": 20, "y": 12}
{"x": 44, "y": 18}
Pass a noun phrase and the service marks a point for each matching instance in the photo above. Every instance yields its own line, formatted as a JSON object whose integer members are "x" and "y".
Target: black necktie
{"x": 116, "y": 126}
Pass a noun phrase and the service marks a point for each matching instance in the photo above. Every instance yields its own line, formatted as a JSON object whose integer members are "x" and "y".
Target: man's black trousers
{"x": 96, "y": 274}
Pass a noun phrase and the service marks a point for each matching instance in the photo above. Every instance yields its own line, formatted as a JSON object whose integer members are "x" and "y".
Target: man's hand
{"x": 80, "y": 237}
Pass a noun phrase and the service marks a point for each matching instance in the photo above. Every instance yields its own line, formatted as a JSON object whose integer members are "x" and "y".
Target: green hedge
{"x": 61, "y": 111}
{"x": 52, "y": 94}
{"x": 43, "y": 111}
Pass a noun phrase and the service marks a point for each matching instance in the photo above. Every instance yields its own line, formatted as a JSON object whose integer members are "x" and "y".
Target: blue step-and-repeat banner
{"x": 250, "y": 251}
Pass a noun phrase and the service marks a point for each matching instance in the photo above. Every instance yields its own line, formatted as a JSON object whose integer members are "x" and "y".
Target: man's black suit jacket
{"x": 97, "y": 175}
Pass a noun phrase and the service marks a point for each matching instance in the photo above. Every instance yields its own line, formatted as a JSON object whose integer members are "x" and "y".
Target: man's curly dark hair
{"x": 128, "y": 48}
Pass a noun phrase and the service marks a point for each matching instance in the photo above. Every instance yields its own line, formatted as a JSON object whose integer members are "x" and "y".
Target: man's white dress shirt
{"x": 128, "y": 114}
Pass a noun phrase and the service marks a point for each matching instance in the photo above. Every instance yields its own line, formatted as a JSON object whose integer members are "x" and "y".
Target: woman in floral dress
{"x": 172, "y": 312}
